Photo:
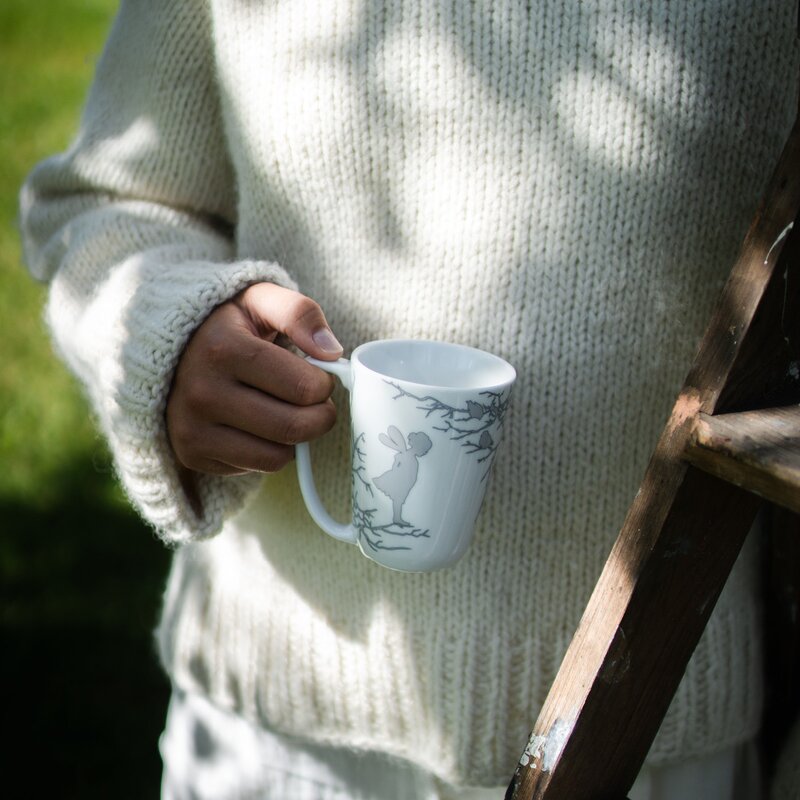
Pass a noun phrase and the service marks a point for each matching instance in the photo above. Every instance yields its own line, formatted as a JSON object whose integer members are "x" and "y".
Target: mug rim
{"x": 497, "y": 361}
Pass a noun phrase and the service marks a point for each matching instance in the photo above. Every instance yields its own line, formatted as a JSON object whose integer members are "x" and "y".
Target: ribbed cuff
{"x": 163, "y": 302}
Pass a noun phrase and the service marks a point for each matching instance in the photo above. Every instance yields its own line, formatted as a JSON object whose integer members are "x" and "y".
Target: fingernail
{"x": 325, "y": 340}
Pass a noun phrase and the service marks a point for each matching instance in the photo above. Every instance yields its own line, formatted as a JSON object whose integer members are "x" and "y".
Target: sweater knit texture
{"x": 564, "y": 184}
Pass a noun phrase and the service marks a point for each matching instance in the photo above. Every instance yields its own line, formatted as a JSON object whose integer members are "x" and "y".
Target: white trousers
{"x": 211, "y": 754}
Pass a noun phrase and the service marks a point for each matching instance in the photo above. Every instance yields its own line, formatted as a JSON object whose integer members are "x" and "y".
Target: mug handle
{"x": 343, "y": 532}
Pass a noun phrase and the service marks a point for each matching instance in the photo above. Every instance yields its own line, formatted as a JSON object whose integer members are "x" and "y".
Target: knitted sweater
{"x": 563, "y": 184}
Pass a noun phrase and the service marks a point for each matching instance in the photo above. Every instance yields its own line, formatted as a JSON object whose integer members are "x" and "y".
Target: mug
{"x": 426, "y": 423}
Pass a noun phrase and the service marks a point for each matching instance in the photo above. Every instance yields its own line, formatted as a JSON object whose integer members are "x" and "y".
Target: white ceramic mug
{"x": 426, "y": 422}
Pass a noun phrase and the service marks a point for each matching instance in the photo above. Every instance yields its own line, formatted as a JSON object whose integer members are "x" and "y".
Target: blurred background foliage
{"x": 80, "y": 574}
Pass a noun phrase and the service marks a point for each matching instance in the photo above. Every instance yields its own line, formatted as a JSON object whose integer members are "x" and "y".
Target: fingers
{"x": 225, "y": 346}
{"x": 278, "y": 372}
{"x": 296, "y": 316}
{"x": 228, "y": 451}
{"x": 262, "y": 443}
{"x": 199, "y": 422}
{"x": 271, "y": 419}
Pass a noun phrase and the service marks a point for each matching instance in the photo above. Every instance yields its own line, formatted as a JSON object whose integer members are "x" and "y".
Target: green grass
{"x": 80, "y": 575}
{"x": 47, "y": 51}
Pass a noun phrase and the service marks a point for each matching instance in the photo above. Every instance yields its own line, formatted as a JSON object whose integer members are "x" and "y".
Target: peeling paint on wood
{"x": 543, "y": 752}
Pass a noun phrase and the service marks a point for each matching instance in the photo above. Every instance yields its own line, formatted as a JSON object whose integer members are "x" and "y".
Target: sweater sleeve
{"x": 133, "y": 229}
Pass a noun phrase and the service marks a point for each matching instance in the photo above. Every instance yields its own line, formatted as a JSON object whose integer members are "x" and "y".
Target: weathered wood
{"x": 756, "y": 450}
{"x": 679, "y": 539}
{"x": 680, "y": 573}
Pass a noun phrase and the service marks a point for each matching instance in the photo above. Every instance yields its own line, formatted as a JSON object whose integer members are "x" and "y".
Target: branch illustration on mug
{"x": 470, "y": 424}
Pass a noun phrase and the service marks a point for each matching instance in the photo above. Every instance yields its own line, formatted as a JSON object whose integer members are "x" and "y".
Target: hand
{"x": 239, "y": 400}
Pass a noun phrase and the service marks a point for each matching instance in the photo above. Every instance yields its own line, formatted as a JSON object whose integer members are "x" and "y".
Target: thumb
{"x": 294, "y": 315}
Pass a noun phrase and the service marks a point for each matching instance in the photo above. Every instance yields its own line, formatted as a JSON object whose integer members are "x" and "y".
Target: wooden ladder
{"x": 732, "y": 439}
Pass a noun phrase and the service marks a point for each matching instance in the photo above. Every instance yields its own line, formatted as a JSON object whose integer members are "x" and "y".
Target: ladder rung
{"x": 757, "y": 450}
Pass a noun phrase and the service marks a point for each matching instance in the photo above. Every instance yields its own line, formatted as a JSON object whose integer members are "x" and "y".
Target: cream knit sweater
{"x": 562, "y": 183}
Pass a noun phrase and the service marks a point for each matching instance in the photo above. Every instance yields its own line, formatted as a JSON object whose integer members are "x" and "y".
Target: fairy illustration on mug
{"x": 397, "y": 482}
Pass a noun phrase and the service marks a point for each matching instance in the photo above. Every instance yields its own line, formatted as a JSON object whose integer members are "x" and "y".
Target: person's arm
{"x": 132, "y": 227}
